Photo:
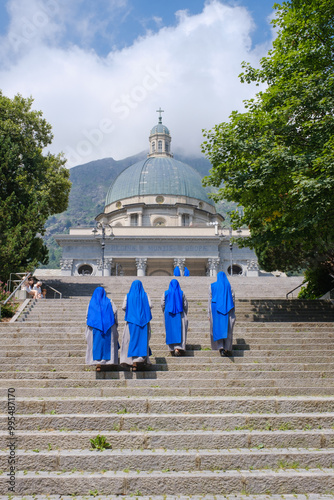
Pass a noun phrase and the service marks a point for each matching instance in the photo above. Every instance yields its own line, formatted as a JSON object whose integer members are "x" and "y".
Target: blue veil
{"x": 138, "y": 310}
{"x": 173, "y": 310}
{"x": 177, "y": 271}
{"x": 222, "y": 293}
{"x": 100, "y": 313}
{"x": 174, "y": 296}
{"x": 138, "y": 315}
{"x": 221, "y": 304}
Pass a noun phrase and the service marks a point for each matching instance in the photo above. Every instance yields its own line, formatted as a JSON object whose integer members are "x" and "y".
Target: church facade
{"x": 157, "y": 216}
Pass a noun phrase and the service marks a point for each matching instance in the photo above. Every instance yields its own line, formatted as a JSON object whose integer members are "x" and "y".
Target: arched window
{"x": 160, "y": 146}
{"x": 166, "y": 147}
{"x": 153, "y": 146}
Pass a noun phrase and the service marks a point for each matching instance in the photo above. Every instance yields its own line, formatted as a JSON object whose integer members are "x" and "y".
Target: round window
{"x": 118, "y": 204}
{"x": 235, "y": 269}
{"x": 160, "y": 199}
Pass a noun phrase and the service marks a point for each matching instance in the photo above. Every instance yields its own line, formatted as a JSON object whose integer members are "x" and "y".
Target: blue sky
{"x": 99, "y": 70}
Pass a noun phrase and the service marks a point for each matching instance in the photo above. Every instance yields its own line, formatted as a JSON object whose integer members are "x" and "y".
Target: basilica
{"x": 157, "y": 216}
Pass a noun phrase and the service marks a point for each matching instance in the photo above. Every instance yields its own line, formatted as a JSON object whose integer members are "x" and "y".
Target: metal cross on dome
{"x": 160, "y": 111}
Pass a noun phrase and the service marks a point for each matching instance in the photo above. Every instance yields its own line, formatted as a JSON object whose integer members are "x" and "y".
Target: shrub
{"x": 9, "y": 309}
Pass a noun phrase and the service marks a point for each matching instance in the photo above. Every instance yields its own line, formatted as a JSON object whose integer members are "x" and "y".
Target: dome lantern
{"x": 160, "y": 139}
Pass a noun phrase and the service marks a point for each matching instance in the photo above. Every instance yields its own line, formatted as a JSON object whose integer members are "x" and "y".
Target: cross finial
{"x": 160, "y": 111}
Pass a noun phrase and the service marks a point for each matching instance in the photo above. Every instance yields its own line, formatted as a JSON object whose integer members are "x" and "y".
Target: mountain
{"x": 90, "y": 183}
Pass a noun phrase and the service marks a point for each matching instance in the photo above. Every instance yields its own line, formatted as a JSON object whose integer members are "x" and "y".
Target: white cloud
{"x": 101, "y": 107}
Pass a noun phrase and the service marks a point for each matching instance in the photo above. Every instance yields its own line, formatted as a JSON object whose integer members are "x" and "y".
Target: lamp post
{"x": 231, "y": 264}
{"x": 102, "y": 226}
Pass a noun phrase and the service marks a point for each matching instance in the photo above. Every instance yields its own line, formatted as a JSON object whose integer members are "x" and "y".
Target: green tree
{"x": 276, "y": 159}
{"x": 33, "y": 185}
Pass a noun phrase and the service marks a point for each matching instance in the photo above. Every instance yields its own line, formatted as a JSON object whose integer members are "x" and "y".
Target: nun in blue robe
{"x": 135, "y": 350}
{"x": 186, "y": 272}
{"x": 174, "y": 305}
{"x": 101, "y": 330}
{"x": 221, "y": 313}
{"x": 177, "y": 271}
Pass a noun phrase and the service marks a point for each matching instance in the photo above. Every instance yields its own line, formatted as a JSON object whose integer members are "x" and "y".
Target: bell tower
{"x": 160, "y": 139}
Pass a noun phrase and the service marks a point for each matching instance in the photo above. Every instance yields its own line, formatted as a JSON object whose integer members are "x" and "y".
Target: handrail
{"x": 55, "y": 291}
{"x": 21, "y": 277}
{"x": 291, "y": 291}
{"x": 4, "y": 302}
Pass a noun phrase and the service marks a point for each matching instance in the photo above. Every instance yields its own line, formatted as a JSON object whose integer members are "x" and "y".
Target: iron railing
{"x": 26, "y": 276}
{"x": 296, "y": 288}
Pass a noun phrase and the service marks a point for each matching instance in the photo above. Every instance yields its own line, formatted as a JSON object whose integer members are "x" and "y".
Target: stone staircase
{"x": 257, "y": 425}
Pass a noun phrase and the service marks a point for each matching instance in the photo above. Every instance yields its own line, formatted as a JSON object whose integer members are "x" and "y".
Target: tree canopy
{"x": 276, "y": 159}
{"x": 33, "y": 185}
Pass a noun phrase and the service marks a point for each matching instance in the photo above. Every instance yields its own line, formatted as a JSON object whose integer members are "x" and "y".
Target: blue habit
{"x": 221, "y": 305}
{"x": 173, "y": 310}
{"x": 100, "y": 318}
{"x": 177, "y": 271}
{"x": 138, "y": 315}
{"x": 101, "y": 345}
{"x": 186, "y": 272}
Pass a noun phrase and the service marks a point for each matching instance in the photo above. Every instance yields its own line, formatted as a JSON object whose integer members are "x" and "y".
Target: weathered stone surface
{"x": 260, "y": 423}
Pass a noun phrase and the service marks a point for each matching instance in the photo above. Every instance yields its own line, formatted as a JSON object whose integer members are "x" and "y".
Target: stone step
{"x": 241, "y": 316}
{"x": 174, "y": 440}
{"x": 117, "y": 379}
{"x": 242, "y": 388}
{"x": 174, "y": 405}
{"x": 128, "y": 460}
{"x": 195, "y": 307}
{"x": 236, "y": 362}
{"x": 296, "y": 327}
{"x": 271, "y": 388}
{"x": 259, "y": 423}
{"x": 89, "y": 376}
{"x": 176, "y": 497}
{"x": 174, "y": 483}
{"x": 157, "y": 371}
{"x": 171, "y": 422}
{"x": 60, "y": 333}
{"x": 159, "y": 347}
{"x": 52, "y": 371}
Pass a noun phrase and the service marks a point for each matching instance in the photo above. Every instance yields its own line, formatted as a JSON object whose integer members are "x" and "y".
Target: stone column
{"x": 179, "y": 220}
{"x": 106, "y": 267}
{"x": 140, "y": 219}
{"x": 213, "y": 265}
{"x": 66, "y": 266}
{"x": 141, "y": 267}
{"x": 181, "y": 263}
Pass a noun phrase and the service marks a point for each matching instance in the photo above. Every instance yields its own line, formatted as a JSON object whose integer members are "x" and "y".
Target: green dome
{"x": 158, "y": 175}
